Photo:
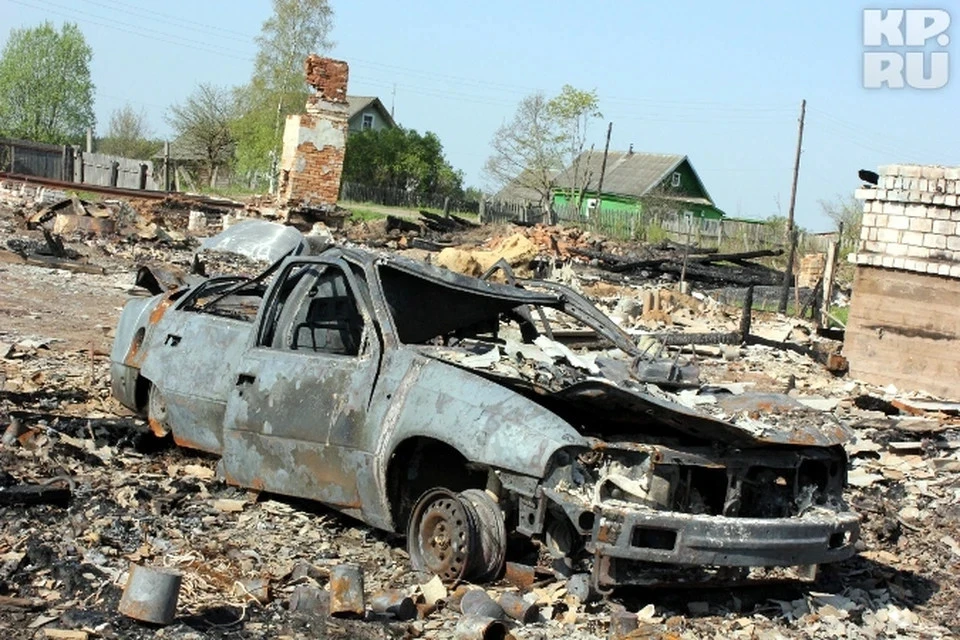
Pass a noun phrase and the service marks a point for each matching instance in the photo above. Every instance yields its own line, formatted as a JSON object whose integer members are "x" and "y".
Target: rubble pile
{"x": 88, "y": 494}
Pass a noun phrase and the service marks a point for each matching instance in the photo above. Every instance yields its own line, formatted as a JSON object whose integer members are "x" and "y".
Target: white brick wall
{"x": 911, "y": 220}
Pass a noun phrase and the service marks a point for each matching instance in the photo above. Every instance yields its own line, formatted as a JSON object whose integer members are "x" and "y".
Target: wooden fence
{"x": 35, "y": 159}
{"x": 64, "y": 162}
{"x": 114, "y": 171}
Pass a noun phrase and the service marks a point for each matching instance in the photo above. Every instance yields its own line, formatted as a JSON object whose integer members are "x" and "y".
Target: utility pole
{"x": 603, "y": 166}
{"x": 393, "y": 98}
{"x": 791, "y": 232}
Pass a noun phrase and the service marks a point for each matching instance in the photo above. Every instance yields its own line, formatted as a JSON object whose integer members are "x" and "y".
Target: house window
{"x": 367, "y": 122}
{"x": 676, "y": 179}
{"x": 591, "y": 205}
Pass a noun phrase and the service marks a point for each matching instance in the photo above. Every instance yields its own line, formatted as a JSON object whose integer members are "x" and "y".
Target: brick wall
{"x": 911, "y": 220}
{"x": 314, "y": 142}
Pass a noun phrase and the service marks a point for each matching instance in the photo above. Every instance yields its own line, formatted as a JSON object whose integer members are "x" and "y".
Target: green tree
{"x": 202, "y": 125}
{"x": 129, "y": 135}
{"x": 545, "y": 136}
{"x": 46, "y": 93}
{"x": 847, "y": 214}
{"x": 278, "y": 88}
{"x": 400, "y": 158}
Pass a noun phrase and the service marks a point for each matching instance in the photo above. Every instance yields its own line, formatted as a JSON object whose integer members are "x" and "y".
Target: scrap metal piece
{"x": 346, "y": 591}
{"x": 151, "y": 594}
{"x": 258, "y": 240}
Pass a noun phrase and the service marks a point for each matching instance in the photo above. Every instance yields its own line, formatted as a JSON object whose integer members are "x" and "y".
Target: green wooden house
{"x": 634, "y": 181}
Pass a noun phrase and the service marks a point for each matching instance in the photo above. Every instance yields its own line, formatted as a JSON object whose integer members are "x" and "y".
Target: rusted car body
{"x": 419, "y": 400}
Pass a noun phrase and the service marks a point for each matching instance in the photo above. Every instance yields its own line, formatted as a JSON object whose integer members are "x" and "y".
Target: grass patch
{"x": 89, "y": 196}
{"x": 359, "y": 214}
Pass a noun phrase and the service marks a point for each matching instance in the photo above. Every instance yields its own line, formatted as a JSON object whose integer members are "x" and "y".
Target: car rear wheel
{"x": 157, "y": 413}
{"x": 457, "y": 536}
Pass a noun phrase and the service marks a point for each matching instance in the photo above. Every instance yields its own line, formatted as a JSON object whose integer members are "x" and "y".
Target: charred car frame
{"x": 447, "y": 407}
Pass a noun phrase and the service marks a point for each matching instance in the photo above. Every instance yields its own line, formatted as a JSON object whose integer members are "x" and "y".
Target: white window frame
{"x": 675, "y": 180}
{"x": 366, "y": 124}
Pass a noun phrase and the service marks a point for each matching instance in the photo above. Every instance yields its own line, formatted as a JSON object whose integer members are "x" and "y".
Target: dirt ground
{"x": 134, "y": 499}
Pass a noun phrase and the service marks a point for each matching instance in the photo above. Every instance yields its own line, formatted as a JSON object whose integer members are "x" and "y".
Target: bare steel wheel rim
{"x": 441, "y": 535}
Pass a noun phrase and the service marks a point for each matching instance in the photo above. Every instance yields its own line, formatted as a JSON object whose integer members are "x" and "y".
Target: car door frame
{"x": 290, "y": 456}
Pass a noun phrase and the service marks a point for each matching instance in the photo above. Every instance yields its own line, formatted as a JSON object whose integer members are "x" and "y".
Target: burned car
{"x": 450, "y": 408}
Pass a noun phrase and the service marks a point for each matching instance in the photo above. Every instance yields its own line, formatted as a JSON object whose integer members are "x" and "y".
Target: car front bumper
{"x": 623, "y": 536}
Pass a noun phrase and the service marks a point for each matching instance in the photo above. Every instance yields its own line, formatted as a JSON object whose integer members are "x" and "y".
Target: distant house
{"x": 367, "y": 112}
{"x": 635, "y": 180}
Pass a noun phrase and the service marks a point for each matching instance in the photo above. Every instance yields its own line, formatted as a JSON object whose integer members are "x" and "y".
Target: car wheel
{"x": 442, "y": 535}
{"x": 157, "y": 413}
{"x": 492, "y": 532}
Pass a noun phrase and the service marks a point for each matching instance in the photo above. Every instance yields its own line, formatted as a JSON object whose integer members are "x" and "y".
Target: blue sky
{"x": 718, "y": 81}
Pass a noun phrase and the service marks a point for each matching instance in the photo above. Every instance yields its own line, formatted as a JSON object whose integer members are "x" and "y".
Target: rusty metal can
{"x": 476, "y": 602}
{"x": 394, "y": 602}
{"x": 479, "y": 628}
{"x": 151, "y": 594}
{"x": 518, "y": 608}
{"x": 346, "y": 591}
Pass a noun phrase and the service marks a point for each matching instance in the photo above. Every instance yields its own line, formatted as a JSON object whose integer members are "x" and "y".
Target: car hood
{"x": 600, "y": 399}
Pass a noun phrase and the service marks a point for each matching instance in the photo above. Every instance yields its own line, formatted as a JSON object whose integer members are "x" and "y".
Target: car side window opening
{"x": 316, "y": 312}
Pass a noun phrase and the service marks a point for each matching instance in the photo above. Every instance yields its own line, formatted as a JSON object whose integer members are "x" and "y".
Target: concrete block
{"x": 899, "y": 263}
{"x": 888, "y": 235}
{"x": 918, "y": 252}
{"x": 915, "y": 210}
{"x": 898, "y": 196}
{"x": 868, "y": 220}
{"x": 896, "y": 249}
{"x": 955, "y": 271}
{"x": 932, "y": 172}
{"x": 934, "y": 241}
{"x": 874, "y": 247}
{"x": 943, "y": 269}
{"x": 886, "y": 261}
{"x": 926, "y": 196}
{"x": 932, "y": 267}
{"x": 910, "y": 170}
{"x": 955, "y": 216}
{"x": 941, "y": 186}
{"x": 952, "y": 173}
{"x": 950, "y": 200}
{"x": 953, "y": 243}
{"x": 872, "y": 233}
{"x": 939, "y": 213}
{"x": 881, "y": 194}
{"x": 882, "y": 220}
{"x": 898, "y": 221}
{"x": 914, "y": 238}
{"x": 924, "y": 184}
{"x": 939, "y": 199}
{"x": 865, "y": 193}
{"x": 893, "y": 209}
{"x": 910, "y": 264}
{"x": 888, "y": 170}
{"x": 946, "y": 227}
{"x": 921, "y": 224}
{"x": 951, "y": 186}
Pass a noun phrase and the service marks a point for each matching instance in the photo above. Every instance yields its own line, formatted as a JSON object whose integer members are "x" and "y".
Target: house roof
{"x": 356, "y": 104}
{"x": 628, "y": 173}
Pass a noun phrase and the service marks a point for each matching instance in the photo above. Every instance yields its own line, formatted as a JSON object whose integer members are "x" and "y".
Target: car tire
{"x": 157, "y": 413}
